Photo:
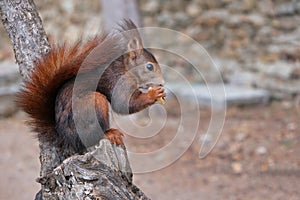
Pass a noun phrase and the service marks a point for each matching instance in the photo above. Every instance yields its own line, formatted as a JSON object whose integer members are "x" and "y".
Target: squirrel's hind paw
{"x": 114, "y": 136}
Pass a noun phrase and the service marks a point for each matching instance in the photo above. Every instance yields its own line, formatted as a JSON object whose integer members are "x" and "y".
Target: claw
{"x": 114, "y": 136}
{"x": 161, "y": 100}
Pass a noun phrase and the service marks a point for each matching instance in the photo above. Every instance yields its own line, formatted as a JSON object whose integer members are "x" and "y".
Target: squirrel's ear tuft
{"x": 132, "y": 37}
{"x": 134, "y": 48}
{"x": 127, "y": 25}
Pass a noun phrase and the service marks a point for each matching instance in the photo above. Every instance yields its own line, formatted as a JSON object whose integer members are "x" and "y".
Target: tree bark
{"x": 102, "y": 173}
{"x": 26, "y": 32}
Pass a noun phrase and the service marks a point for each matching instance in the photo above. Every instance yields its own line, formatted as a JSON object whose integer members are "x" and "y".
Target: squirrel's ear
{"x": 134, "y": 48}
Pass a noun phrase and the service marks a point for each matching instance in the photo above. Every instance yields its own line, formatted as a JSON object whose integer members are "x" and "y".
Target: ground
{"x": 256, "y": 157}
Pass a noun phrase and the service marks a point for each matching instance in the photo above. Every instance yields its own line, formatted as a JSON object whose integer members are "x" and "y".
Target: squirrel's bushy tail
{"x": 37, "y": 96}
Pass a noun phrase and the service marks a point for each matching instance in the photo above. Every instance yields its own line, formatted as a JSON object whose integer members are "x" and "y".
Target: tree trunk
{"x": 116, "y": 10}
{"x": 26, "y": 32}
{"x": 103, "y": 173}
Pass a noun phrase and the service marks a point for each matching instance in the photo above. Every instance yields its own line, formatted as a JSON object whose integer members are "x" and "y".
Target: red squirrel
{"x": 127, "y": 68}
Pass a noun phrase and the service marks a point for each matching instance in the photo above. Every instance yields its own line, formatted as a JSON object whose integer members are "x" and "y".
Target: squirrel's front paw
{"x": 156, "y": 93}
{"x": 114, "y": 136}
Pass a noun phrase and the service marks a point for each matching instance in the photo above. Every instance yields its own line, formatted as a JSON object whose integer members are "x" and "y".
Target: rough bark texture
{"x": 103, "y": 173}
{"x": 26, "y": 32}
{"x": 29, "y": 41}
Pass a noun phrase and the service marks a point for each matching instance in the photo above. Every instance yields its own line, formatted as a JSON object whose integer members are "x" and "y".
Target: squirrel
{"x": 60, "y": 88}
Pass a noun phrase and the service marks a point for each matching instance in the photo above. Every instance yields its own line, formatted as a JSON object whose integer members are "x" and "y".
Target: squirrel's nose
{"x": 162, "y": 82}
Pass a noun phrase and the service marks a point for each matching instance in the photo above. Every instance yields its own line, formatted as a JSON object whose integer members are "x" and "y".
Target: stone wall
{"x": 254, "y": 43}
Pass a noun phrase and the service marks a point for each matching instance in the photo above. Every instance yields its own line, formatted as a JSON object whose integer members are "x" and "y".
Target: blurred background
{"x": 256, "y": 48}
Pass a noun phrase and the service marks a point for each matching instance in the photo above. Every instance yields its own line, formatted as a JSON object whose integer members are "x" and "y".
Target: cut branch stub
{"x": 99, "y": 174}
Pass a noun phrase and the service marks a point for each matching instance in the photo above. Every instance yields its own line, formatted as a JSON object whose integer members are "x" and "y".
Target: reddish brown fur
{"x": 115, "y": 136}
{"x": 37, "y": 96}
{"x": 47, "y": 98}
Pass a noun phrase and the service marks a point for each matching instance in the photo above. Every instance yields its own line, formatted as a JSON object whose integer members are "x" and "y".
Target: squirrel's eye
{"x": 150, "y": 67}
